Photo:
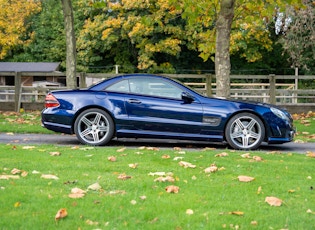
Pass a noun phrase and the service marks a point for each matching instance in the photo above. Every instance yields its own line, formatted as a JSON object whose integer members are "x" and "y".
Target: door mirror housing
{"x": 187, "y": 98}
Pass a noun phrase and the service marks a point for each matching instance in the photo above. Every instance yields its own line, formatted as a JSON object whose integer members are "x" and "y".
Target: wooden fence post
{"x": 209, "y": 84}
{"x": 82, "y": 80}
{"x": 272, "y": 89}
{"x": 18, "y": 91}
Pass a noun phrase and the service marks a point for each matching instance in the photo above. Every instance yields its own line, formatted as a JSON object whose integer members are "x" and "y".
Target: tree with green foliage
{"x": 48, "y": 44}
{"x": 296, "y": 26}
{"x": 14, "y": 15}
{"x": 247, "y": 35}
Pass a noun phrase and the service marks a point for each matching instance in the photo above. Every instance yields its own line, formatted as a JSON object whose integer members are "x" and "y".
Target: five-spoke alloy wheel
{"x": 94, "y": 127}
{"x": 245, "y": 131}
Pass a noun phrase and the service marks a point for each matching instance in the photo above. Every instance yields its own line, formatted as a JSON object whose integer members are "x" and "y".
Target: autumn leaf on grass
{"x": 124, "y": 177}
{"x": 77, "y": 193}
{"x": 189, "y": 212}
{"x": 7, "y": 177}
{"x": 186, "y": 164}
{"x": 112, "y": 158}
{"x": 166, "y": 156}
{"x": 18, "y": 171}
{"x": 211, "y": 169}
{"x": 246, "y": 155}
{"x": 160, "y": 174}
{"x": 153, "y": 148}
{"x": 121, "y": 150}
{"x": 310, "y": 154}
{"x": 310, "y": 211}
{"x": 257, "y": 158}
{"x": 237, "y": 213}
{"x": 17, "y": 204}
{"x": 133, "y": 165}
{"x": 49, "y": 176}
{"x": 62, "y": 213}
{"x": 90, "y": 222}
{"x": 95, "y": 187}
{"x": 54, "y": 153}
{"x": 165, "y": 179}
{"x": 172, "y": 189}
{"x": 224, "y": 154}
{"x": 245, "y": 178}
{"x": 29, "y": 147}
{"x": 273, "y": 201}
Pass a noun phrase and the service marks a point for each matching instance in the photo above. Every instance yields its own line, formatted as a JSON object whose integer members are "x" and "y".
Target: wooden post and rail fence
{"x": 280, "y": 90}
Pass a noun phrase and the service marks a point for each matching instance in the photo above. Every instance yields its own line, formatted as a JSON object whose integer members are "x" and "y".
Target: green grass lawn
{"x": 215, "y": 200}
{"x": 130, "y": 198}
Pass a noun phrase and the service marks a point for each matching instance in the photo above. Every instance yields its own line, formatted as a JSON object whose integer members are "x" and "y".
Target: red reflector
{"x": 51, "y": 101}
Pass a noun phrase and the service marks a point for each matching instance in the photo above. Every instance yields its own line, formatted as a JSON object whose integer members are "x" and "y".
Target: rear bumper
{"x": 57, "y": 127}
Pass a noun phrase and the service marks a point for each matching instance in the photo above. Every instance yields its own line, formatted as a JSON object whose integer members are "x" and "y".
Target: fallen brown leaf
{"x": 237, "y": 213}
{"x": 224, "y": 154}
{"x": 245, "y": 178}
{"x": 133, "y": 166}
{"x": 49, "y": 176}
{"x": 189, "y": 212}
{"x": 96, "y": 186}
{"x": 54, "y": 153}
{"x": 273, "y": 201}
{"x": 165, "y": 179}
{"x": 310, "y": 154}
{"x": 16, "y": 171}
{"x": 112, "y": 158}
{"x": 172, "y": 189}
{"x": 257, "y": 158}
{"x": 246, "y": 155}
{"x": 62, "y": 213}
{"x": 186, "y": 164}
{"x": 124, "y": 177}
{"x": 77, "y": 193}
{"x": 211, "y": 169}
{"x": 121, "y": 150}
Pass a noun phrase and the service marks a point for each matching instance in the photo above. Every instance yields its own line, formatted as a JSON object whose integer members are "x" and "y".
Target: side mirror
{"x": 187, "y": 98}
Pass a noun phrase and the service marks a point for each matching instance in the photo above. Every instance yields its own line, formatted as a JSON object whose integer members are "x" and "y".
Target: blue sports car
{"x": 150, "y": 106}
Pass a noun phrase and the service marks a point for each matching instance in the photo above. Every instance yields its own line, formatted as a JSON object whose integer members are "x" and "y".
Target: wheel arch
{"x": 91, "y": 107}
{"x": 252, "y": 112}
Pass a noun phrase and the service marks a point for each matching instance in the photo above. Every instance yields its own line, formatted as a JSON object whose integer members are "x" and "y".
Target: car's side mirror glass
{"x": 187, "y": 98}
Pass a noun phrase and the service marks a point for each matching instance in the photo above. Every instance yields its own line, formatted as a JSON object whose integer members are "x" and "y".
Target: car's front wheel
{"x": 245, "y": 131}
{"x": 94, "y": 127}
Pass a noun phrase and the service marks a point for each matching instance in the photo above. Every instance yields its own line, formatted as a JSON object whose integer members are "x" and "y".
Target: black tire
{"x": 94, "y": 127}
{"x": 245, "y": 131}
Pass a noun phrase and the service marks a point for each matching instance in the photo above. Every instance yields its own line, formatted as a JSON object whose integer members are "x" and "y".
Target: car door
{"x": 155, "y": 106}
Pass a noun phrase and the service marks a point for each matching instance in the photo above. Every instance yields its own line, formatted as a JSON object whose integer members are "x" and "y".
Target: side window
{"x": 121, "y": 86}
{"x": 154, "y": 87}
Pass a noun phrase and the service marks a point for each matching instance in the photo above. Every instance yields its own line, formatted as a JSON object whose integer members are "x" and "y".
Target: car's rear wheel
{"x": 245, "y": 131}
{"x": 94, "y": 127}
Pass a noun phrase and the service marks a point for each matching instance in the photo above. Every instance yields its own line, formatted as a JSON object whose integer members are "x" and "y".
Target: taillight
{"x": 51, "y": 101}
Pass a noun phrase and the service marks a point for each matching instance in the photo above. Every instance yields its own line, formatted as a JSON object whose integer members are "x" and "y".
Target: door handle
{"x": 134, "y": 101}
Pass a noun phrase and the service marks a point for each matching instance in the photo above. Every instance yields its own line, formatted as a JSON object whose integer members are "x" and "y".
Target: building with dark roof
{"x": 29, "y": 66}
{"x": 31, "y": 72}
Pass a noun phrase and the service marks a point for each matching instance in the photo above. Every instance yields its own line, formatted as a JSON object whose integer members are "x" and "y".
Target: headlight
{"x": 279, "y": 113}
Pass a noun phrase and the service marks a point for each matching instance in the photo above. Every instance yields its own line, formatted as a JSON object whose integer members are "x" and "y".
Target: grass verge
{"x": 130, "y": 198}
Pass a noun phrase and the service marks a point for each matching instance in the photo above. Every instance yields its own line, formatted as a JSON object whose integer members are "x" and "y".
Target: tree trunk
{"x": 222, "y": 55}
{"x": 71, "y": 44}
